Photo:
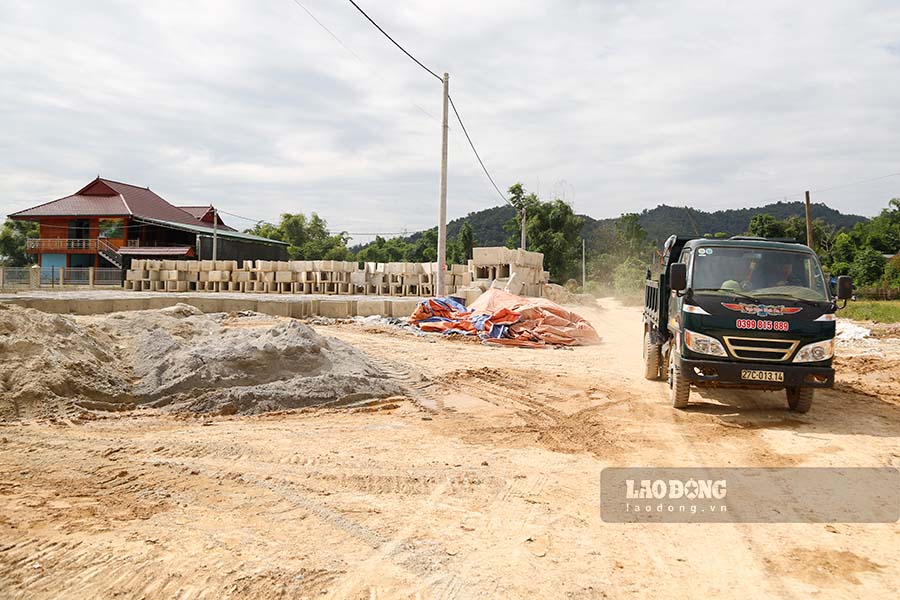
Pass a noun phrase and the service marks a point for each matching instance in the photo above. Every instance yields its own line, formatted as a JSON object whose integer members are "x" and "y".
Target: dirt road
{"x": 485, "y": 486}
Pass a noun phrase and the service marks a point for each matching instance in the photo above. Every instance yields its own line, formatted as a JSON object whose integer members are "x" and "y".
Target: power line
{"x": 837, "y": 187}
{"x": 458, "y": 118}
{"x": 322, "y": 25}
{"x": 377, "y": 26}
{"x": 330, "y": 231}
{"x": 348, "y": 49}
{"x": 436, "y": 76}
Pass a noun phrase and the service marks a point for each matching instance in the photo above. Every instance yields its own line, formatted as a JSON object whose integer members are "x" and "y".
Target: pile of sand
{"x": 176, "y": 358}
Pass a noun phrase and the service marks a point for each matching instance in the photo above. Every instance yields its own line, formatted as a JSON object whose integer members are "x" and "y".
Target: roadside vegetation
{"x": 12, "y": 243}
{"x": 879, "y": 311}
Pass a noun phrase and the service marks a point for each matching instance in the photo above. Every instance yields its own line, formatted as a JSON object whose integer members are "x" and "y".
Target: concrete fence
{"x": 35, "y": 277}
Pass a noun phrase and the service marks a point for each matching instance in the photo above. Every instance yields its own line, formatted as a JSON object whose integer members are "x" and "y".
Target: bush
{"x": 839, "y": 268}
{"x": 892, "y": 273}
{"x": 628, "y": 278}
{"x": 867, "y": 267}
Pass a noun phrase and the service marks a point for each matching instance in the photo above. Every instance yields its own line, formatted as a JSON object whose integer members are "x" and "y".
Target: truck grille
{"x": 764, "y": 349}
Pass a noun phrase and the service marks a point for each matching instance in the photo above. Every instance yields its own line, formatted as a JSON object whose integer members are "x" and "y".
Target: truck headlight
{"x": 703, "y": 344}
{"x": 815, "y": 352}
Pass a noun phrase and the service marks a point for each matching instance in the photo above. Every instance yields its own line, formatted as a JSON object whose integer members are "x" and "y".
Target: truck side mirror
{"x": 844, "y": 287}
{"x": 678, "y": 276}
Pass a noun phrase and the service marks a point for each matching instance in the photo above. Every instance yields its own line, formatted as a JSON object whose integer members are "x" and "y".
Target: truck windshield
{"x": 758, "y": 273}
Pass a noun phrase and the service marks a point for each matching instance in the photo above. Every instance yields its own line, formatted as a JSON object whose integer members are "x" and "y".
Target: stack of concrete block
{"x": 516, "y": 271}
{"x": 282, "y": 277}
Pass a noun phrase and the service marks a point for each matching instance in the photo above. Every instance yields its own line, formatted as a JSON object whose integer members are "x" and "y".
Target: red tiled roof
{"x": 104, "y": 197}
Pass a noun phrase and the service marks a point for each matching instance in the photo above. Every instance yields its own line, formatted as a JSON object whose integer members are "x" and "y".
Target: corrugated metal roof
{"x": 145, "y": 203}
{"x": 198, "y": 211}
{"x": 202, "y": 211}
{"x": 205, "y": 230}
{"x": 77, "y": 206}
{"x": 156, "y": 251}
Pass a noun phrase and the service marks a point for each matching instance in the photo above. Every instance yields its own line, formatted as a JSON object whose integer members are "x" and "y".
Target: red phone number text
{"x": 761, "y": 325}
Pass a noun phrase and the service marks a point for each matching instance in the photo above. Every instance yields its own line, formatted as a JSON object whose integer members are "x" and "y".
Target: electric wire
{"x": 350, "y": 50}
{"x": 402, "y": 49}
{"x": 450, "y": 98}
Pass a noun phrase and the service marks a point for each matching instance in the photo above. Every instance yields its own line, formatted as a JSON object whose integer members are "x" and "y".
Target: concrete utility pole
{"x": 583, "y": 269}
{"x": 522, "y": 241}
{"x": 809, "y": 240}
{"x": 215, "y": 231}
{"x": 442, "y": 214}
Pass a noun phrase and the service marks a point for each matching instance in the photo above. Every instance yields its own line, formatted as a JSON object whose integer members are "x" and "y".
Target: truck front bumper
{"x": 716, "y": 373}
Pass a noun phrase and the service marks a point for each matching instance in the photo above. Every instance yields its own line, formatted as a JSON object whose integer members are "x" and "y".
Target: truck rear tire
{"x": 679, "y": 387}
{"x": 800, "y": 398}
{"x": 652, "y": 358}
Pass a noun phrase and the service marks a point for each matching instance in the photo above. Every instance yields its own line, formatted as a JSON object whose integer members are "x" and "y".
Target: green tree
{"x": 309, "y": 238}
{"x": 554, "y": 229}
{"x": 843, "y": 249}
{"x": 13, "y": 236}
{"x": 767, "y": 226}
{"x": 892, "y": 272}
{"x": 839, "y": 267}
{"x": 622, "y": 262}
{"x": 466, "y": 241}
{"x": 868, "y": 267}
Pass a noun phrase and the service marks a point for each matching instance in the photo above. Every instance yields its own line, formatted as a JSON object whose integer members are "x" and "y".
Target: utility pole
{"x": 522, "y": 241}
{"x": 215, "y": 231}
{"x": 442, "y": 214}
{"x": 583, "y": 269}
{"x": 809, "y": 240}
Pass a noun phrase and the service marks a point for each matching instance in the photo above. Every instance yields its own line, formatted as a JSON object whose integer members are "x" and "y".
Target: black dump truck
{"x": 742, "y": 312}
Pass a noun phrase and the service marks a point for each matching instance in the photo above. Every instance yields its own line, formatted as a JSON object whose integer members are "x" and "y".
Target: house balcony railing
{"x": 50, "y": 244}
{"x": 36, "y": 245}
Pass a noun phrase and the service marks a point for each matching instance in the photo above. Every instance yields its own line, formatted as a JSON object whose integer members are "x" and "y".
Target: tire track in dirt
{"x": 418, "y": 560}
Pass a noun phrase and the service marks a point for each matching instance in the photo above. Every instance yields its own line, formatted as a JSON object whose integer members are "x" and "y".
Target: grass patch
{"x": 882, "y": 311}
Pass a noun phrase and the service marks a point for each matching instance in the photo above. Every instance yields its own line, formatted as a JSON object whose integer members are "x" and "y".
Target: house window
{"x": 112, "y": 228}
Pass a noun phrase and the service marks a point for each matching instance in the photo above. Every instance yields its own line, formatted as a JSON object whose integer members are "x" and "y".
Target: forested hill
{"x": 663, "y": 221}
{"x": 659, "y": 222}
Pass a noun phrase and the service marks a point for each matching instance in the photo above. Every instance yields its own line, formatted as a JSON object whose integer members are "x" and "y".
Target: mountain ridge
{"x": 659, "y": 222}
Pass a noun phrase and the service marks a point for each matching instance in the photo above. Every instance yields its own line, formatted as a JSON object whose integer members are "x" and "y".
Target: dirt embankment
{"x": 177, "y": 358}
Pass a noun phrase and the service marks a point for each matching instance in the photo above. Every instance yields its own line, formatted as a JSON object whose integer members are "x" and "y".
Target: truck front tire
{"x": 679, "y": 386}
{"x": 652, "y": 358}
{"x": 800, "y": 398}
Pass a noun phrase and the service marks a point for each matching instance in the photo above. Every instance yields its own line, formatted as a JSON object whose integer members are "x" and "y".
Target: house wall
{"x": 58, "y": 228}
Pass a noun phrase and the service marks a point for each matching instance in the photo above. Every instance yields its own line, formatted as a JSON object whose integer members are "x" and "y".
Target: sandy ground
{"x": 484, "y": 485}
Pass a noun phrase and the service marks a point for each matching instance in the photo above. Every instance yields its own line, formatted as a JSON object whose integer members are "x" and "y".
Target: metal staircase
{"x": 109, "y": 252}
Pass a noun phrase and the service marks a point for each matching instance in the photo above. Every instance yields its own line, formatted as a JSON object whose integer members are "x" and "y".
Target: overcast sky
{"x": 616, "y": 106}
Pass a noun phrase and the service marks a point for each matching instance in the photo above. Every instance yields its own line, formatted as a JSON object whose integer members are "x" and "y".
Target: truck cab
{"x": 743, "y": 313}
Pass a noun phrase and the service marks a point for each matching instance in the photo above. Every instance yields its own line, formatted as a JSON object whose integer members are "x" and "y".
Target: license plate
{"x": 753, "y": 375}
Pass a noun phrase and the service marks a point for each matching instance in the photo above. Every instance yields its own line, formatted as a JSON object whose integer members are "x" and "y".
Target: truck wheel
{"x": 679, "y": 387}
{"x": 652, "y": 358}
{"x": 800, "y": 398}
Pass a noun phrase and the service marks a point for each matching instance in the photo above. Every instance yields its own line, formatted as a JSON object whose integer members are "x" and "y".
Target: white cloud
{"x": 255, "y": 108}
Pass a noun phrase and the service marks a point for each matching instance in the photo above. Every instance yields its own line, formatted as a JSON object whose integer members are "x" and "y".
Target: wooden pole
{"x": 522, "y": 239}
{"x": 583, "y": 269}
{"x": 215, "y": 233}
{"x": 809, "y": 238}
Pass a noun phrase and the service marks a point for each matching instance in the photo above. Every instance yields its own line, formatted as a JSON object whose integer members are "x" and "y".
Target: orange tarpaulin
{"x": 499, "y": 317}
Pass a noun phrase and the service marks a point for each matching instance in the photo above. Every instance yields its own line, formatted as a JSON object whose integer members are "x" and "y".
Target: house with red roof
{"x": 106, "y": 223}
